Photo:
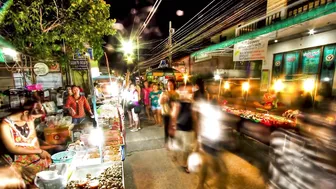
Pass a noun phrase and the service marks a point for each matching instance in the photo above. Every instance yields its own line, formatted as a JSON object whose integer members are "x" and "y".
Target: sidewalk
{"x": 148, "y": 166}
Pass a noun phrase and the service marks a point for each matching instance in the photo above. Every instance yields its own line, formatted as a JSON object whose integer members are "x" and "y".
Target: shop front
{"x": 309, "y": 58}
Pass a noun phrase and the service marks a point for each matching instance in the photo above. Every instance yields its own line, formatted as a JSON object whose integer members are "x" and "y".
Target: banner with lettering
{"x": 291, "y": 64}
{"x": 253, "y": 49}
{"x": 310, "y": 61}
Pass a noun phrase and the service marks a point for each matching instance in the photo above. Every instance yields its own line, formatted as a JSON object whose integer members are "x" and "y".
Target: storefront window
{"x": 277, "y": 65}
{"x": 327, "y": 70}
{"x": 291, "y": 64}
{"x": 310, "y": 61}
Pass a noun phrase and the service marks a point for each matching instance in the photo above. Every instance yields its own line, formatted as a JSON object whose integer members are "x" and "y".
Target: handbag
{"x": 137, "y": 109}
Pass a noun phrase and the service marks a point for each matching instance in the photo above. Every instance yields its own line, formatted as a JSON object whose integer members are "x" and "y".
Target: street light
{"x": 127, "y": 47}
{"x": 217, "y": 77}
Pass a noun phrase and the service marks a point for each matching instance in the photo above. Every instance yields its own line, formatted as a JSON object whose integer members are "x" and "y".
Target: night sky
{"x": 130, "y": 12}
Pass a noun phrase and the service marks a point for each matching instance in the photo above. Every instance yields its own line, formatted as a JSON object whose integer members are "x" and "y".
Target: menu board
{"x": 310, "y": 61}
{"x": 277, "y": 65}
{"x": 291, "y": 64}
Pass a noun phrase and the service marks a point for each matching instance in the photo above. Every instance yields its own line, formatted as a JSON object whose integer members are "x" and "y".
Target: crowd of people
{"x": 189, "y": 119}
{"x": 175, "y": 108}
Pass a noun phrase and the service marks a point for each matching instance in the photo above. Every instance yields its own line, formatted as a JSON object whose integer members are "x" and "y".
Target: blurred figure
{"x": 20, "y": 144}
{"x": 155, "y": 105}
{"x": 183, "y": 121}
{"x": 269, "y": 101}
{"x": 134, "y": 101}
{"x": 76, "y": 105}
{"x": 213, "y": 136}
{"x": 146, "y": 91}
{"x": 10, "y": 178}
{"x": 167, "y": 100}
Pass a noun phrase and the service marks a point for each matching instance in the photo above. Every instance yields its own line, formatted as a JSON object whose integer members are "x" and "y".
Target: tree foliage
{"x": 54, "y": 28}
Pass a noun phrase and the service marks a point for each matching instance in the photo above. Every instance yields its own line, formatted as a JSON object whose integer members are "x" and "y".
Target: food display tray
{"x": 80, "y": 172}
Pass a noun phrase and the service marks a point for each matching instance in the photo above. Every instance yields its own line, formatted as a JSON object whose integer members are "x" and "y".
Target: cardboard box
{"x": 57, "y": 135}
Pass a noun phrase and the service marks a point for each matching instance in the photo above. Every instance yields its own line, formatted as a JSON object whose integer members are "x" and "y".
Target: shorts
{"x": 158, "y": 107}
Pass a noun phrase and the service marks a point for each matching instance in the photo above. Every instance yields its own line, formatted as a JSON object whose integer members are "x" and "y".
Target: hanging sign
{"x": 41, "y": 69}
{"x": 253, "y": 49}
{"x": 79, "y": 64}
{"x": 163, "y": 64}
{"x": 54, "y": 67}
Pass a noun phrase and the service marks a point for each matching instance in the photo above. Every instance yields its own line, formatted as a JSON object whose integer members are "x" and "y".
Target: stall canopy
{"x": 303, "y": 17}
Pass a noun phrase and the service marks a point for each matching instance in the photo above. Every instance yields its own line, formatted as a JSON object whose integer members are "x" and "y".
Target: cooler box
{"x": 57, "y": 135}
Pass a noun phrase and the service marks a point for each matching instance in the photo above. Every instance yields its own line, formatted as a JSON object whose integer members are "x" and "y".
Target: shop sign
{"x": 163, "y": 64}
{"x": 41, "y": 69}
{"x": 54, "y": 67}
{"x": 253, "y": 49}
{"x": 79, "y": 64}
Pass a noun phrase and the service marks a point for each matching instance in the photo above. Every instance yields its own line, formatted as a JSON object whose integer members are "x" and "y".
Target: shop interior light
{"x": 185, "y": 78}
{"x": 217, "y": 77}
{"x": 10, "y": 52}
{"x": 311, "y": 32}
{"x": 327, "y": 79}
{"x": 246, "y": 86}
{"x": 308, "y": 85}
{"x": 226, "y": 85}
{"x": 275, "y": 41}
{"x": 278, "y": 85}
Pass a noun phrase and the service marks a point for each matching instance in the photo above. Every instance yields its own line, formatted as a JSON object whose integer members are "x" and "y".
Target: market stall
{"x": 94, "y": 158}
{"x": 259, "y": 125}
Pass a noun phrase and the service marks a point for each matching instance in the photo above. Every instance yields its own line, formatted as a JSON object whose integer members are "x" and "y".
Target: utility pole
{"x": 170, "y": 43}
{"x": 138, "y": 54}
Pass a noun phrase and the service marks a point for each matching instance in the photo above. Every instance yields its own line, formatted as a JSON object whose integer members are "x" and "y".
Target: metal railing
{"x": 293, "y": 9}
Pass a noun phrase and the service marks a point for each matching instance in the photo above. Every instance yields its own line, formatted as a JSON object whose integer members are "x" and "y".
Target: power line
{"x": 188, "y": 41}
{"x": 149, "y": 17}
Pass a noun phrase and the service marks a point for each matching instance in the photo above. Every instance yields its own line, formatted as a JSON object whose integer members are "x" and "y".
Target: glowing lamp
{"x": 10, "y": 52}
{"x": 96, "y": 137}
{"x": 226, "y": 85}
{"x": 278, "y": 85}
{"x": 129, "y": 59}
{"x": 246, "y": 86}
{"x": 308, "y": 85}
{"x": 217, "y": 77}
{"x": 127, "y": 47}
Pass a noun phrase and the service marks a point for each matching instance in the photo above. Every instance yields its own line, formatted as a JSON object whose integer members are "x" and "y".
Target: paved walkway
{"x": 148, "y": 166}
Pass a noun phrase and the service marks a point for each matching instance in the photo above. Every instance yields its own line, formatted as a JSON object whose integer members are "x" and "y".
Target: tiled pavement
{"x": 148, "y": 166}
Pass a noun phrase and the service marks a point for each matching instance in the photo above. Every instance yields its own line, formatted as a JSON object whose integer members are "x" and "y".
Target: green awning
{"x": 303, "y": 17}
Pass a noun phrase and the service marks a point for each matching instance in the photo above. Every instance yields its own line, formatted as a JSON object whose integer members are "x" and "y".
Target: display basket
{"x": 63, "y": 157}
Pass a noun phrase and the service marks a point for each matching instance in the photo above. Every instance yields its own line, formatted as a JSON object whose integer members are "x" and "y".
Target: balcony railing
{"x": 295, "y": 8}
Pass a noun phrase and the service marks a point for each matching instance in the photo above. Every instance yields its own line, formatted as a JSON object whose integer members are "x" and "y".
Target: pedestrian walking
{"x": 146, "y": 91}
{"x": 154, "y": 96}
{"x": 167, "y": 100}
{"x": 184, "y": 137}
{"x": 133, "y": 108}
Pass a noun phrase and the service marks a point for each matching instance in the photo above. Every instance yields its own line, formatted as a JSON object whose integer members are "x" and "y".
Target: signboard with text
{"x": 79, "y": 64}
{"x": 253, "y": 49}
